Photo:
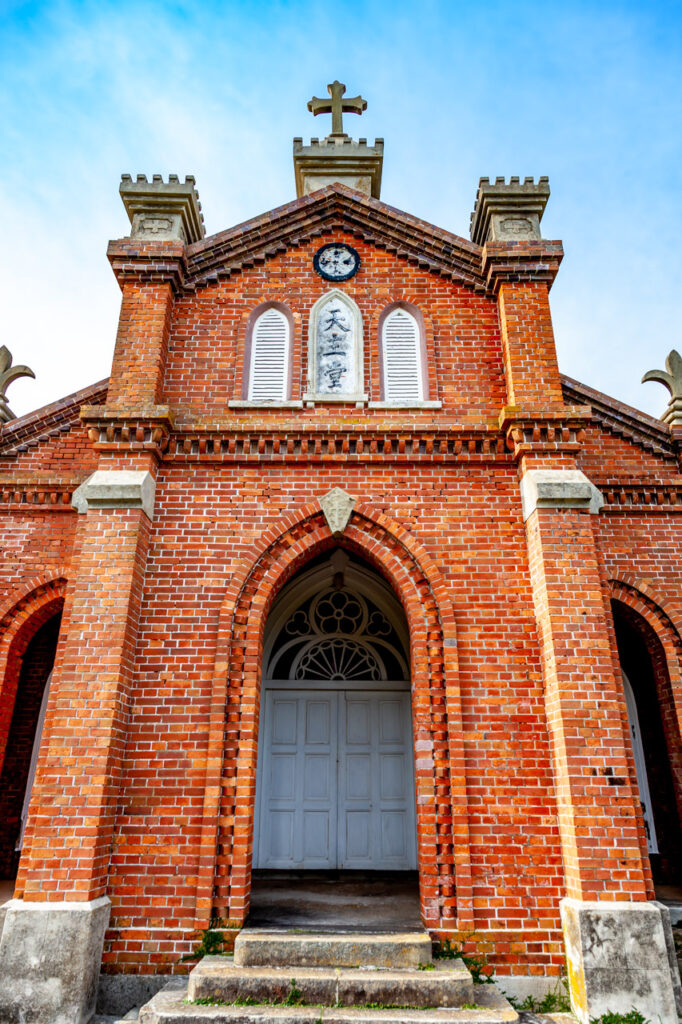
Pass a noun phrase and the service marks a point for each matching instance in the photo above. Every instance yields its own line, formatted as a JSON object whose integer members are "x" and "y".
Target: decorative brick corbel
{"x": 544, "y": 431}
{"x": 145, "y": 261}
{"x": 127, "y": 428}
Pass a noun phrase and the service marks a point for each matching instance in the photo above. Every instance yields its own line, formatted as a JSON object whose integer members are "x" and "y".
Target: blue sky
{"x": 589, "y": 93}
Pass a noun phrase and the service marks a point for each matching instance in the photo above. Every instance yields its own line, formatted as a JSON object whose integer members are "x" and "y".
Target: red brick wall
{"x": 225, "y": 479}
{"x": 215, "y": 514}
{"x": 208, "y": 334}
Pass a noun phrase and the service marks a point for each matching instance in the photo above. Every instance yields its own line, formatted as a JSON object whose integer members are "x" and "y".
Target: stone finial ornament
{"x": 509, "y": 212}
{"x": 673, "y": 381}
{"x": 8, "y": 373}
{"x": 337, "y": 506}
{"x": 163, "y": 210}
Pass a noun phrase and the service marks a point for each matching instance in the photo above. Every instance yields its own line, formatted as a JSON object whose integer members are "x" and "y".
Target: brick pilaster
{"x": 596, "y": 803}
{"x": 74, "y": 802}
{"x": 520, "y": 274}
{"x": 149, "y": 273}
{"x": 597, "y": 822}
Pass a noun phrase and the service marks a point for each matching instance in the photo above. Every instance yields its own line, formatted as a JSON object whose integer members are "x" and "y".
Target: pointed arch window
{"x": 269, "y": 362}
{"x": 402, "y": 357}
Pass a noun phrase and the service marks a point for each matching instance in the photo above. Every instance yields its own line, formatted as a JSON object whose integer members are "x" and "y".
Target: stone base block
{"x": 672, "y": 953}
{"x": 617, "y": 960}
{"x": 50, "y": 956}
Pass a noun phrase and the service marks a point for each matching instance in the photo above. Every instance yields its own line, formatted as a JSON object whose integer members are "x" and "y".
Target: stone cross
{"x": 337, "y": 106}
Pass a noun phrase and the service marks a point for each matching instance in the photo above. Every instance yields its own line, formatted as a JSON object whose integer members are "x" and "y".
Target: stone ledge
{"x": 416, "y": 404}
{"x": 558, "y": 488}
{"x": 245, "y": 404}
{"x": 311, "y": 398}
{"x": 119, "y": 488}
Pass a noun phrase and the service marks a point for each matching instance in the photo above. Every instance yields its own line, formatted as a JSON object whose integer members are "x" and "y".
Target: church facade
{"x": 338, "y": 573}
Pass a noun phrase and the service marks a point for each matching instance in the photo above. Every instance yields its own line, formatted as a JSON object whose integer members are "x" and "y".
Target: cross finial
{"x": 337, "y": 106}
{"x": 8, "y": 373}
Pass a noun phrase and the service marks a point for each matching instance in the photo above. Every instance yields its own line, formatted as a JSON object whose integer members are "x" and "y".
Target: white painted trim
{"x": 640, "y": 765}
{"x": 310, "y": 399}
{"x": 336, "y": 684}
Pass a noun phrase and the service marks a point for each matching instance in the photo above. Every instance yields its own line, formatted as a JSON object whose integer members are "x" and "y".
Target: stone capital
{"x": 116, "y": 488}
{"x": 558, "y": 489}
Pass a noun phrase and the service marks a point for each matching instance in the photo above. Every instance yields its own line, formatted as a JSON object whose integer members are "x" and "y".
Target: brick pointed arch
{"x": 442, "y": 822}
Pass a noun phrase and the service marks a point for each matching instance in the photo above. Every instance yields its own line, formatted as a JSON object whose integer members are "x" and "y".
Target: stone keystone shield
{"x": 337, "y": 506}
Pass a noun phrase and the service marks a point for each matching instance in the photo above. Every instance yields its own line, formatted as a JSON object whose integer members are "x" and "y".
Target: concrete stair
{"x": 264, "y": 947}
{"x": 288, "y": 977}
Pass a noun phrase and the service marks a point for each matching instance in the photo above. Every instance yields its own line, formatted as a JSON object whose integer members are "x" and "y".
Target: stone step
{"x": 447, "y": 983}
{"x": 170, "y": 1006}
{"x": 261, "y": 947}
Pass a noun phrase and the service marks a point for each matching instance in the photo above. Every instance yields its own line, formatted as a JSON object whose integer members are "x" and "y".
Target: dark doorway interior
{"x": 336, "y": 900}
{"x": 35, "y": 670}
{"x": 643, "y": 661}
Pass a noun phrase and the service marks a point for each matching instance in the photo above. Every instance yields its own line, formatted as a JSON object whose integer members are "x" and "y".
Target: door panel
{"x": 376, "y": 795}
{"x": 298, "y": 805}
{"x": 336, "y": 781}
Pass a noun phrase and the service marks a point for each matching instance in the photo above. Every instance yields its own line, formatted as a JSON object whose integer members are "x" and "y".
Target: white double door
{"x": 336, "y": 781}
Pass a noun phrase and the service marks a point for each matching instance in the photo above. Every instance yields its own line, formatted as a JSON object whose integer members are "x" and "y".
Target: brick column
{"x": 595, "y": 801}
{"x": 604, "y": 875}
{"x": 56, "y": 931}
{"x": 142, "y": 339}
{"x": 74, "y": 810}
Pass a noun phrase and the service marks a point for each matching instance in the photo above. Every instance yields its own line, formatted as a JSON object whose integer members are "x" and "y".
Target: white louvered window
{"x": 402, "y": 358}
{"x": 269, "y": 369}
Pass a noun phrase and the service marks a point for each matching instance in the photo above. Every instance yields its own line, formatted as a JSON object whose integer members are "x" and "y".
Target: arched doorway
{"x": 22, "y": 745}
{"x": 656, "y": 747}
{"x": 335, "y": 787}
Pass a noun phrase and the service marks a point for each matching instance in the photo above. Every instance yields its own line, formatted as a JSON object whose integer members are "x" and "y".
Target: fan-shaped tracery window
{"x": 338, "y": 634}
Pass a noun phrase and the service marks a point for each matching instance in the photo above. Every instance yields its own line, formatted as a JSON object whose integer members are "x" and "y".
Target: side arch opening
{"x": 656, "y": 743}
{"x": 24, "y": 698}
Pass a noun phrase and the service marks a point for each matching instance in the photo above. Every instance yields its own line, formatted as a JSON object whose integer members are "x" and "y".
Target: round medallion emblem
{"x": 336, "y": 261}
